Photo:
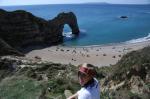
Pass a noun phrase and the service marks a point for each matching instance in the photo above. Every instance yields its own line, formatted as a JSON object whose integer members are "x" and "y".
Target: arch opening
{"x": 67, "y": 32}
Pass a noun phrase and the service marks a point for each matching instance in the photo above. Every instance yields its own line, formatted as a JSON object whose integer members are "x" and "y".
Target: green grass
{"x": 105, "y": 95}
{"x": 20, "y": 88}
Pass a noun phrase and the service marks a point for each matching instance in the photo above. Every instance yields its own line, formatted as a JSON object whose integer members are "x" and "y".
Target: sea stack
{"x": 123, "y": 17}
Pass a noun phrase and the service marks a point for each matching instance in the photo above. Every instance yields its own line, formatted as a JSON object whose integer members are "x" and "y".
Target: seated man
{"x": 90, "y": 85}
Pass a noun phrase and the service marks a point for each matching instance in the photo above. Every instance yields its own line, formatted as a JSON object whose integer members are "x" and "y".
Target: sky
{"x": 30, "y": 2}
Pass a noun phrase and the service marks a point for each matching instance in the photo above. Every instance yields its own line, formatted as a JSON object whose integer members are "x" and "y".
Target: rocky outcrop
{"x": 123, "y": 17}
{"x": 130, "y": 76}
{"x": 19, "y": 29}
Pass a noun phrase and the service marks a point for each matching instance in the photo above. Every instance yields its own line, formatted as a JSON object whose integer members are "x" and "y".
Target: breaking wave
{"x": 70, "y": 35}
{"x": 142, "y": 39}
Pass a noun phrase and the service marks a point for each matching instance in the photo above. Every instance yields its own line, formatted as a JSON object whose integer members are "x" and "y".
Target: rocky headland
{"x": 19, "y": 29}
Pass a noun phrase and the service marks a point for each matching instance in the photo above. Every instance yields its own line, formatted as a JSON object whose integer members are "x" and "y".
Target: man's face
{"x": 83, "y": 78}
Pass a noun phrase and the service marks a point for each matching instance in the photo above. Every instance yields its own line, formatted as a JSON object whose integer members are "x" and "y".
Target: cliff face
{"x": 20, "y": 28}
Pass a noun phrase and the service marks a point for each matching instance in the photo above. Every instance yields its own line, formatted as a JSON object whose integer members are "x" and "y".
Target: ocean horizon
{"x": 99, "y": 23}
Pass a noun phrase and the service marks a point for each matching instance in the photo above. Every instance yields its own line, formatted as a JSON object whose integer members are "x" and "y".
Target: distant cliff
{"x": 20, "y": 29}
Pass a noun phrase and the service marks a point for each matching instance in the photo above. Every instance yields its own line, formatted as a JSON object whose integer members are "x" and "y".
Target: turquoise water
{"x": 99, "y": 24}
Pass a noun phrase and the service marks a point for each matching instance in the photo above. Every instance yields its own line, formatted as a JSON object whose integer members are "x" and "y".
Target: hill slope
{"x": 130, "y": 77}
{"x": 34, "y": 79}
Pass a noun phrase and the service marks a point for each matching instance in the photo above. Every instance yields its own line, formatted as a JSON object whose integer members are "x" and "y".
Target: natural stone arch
{"x": 19, "y": 29}
{"x": 69, "y": 19}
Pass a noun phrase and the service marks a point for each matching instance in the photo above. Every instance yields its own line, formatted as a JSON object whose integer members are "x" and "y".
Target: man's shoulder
{"x": 83, "y": 93}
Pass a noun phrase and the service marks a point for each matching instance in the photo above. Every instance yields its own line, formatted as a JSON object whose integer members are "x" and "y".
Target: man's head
{"x": 85, "y": 73}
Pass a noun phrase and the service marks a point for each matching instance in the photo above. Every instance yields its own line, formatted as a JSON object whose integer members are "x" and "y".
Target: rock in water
{"x": 123, "y": 17}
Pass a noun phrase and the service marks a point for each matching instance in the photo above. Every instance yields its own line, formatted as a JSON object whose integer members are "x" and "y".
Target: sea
{"x": 99, "y": 23}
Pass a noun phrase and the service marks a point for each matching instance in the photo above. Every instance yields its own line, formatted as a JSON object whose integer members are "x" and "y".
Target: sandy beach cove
{"x": 101, "y": 55}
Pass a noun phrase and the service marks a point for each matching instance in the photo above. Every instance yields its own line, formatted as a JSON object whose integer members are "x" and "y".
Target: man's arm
{"x": 74, "y": 96}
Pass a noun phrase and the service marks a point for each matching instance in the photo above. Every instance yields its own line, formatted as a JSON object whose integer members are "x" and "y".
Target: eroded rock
{"x": 19, "y": 29}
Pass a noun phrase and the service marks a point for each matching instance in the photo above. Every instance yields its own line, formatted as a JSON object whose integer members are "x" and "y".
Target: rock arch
{"x": 19, "y": 29}
{"x": 69, "y": 19}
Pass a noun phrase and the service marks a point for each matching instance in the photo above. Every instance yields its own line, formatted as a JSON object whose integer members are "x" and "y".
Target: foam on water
{"x": 142, "y": 39}
{"x": 68, "y": 34}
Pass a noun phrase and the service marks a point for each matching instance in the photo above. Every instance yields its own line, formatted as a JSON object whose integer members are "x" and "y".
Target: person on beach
{"x": 90, "y": 85}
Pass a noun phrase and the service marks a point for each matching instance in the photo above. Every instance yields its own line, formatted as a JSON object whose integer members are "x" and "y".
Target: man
{"x": 90, "y": 86}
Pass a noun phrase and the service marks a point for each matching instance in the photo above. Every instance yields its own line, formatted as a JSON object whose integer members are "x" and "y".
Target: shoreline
{"x": 98, "y": 55}
{"x": 101, "y": 45}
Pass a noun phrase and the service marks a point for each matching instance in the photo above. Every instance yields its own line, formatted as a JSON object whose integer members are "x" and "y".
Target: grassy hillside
{"x": 130, "y": 77}
{"x": 27, "y": 79}
{"x": 21, "y": 78}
